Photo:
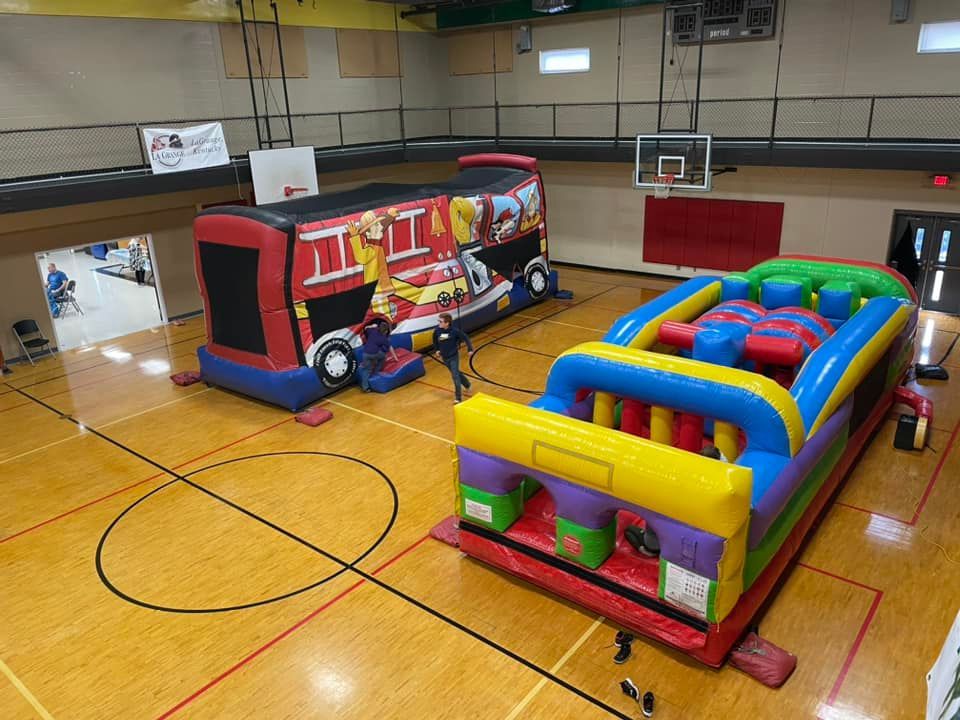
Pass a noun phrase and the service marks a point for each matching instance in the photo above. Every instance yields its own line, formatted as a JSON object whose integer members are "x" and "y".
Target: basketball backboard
{"x": 283, "y": 174}
{"x": 686, "y": 156}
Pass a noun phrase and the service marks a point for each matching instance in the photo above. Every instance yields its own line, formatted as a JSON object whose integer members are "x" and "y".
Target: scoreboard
{"x": 723, "y": 20}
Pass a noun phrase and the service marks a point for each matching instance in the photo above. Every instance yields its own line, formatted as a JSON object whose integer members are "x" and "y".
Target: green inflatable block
{"x": 497, "y": 512}
{"x": 586, "y": 546}
{"x": 530, "y": 487}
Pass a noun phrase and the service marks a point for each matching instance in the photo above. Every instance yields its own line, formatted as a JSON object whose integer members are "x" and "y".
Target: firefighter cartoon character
{"x": 531, "y": 209}
{"x": 503, "y": 226}
{"x": 462, "y": 214}
{"x": 366, "y": 241}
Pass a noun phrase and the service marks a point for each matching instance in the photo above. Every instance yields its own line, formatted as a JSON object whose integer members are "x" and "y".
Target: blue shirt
{"x": 375, "y": 341}
{"x": 447, "y": 341}
{"x": 56, "y": 279}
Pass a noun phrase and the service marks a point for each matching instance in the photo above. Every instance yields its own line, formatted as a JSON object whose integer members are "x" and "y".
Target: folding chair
{"x": 67, "y": 299}
{"x": 24, "y": 328}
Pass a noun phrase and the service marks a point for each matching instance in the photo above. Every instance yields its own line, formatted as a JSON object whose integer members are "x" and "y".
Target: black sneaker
{"x": 643, "y": 541}
{"x": 630, "y": 690}
{"x": 633, "y": 534}
{"x": 647, "y": 704}
{"x": 622, "y": 641}
{"x": 651, "y": 543}
{"x": 623, "y": 654}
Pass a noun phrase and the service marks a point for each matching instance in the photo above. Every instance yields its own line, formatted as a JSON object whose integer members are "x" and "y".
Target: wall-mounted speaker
{"x": 899, "y": 11}
{"x": 524, "y": 39}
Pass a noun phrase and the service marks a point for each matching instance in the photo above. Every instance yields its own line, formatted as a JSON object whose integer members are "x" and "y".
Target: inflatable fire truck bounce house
{"x": 786, "y": 370}
{"x": 288, "y": 288}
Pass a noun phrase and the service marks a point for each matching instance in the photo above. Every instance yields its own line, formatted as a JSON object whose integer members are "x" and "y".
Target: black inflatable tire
{"x": 537, "y": 282}
{"x": 335, "y": 363}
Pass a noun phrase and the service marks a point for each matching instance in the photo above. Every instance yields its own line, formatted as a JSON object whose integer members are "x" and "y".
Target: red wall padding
{"x": 716, "y": 234}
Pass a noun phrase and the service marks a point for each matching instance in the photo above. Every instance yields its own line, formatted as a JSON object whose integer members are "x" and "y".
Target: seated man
{"x": 55, "y": 285}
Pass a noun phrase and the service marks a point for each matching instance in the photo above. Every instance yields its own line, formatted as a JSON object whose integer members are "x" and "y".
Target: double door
{"x": 936, "y": 244}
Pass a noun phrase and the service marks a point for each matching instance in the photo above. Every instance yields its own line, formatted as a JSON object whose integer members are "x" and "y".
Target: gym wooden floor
{"x": 184, "y": 552}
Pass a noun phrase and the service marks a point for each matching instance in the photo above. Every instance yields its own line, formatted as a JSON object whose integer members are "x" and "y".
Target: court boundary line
{"x": 83, "y": 425}
{"x": 284, "y": 634}
{"x": 155, "y": 407}
{"x": 97, "y": 382}
{"x": 476, "y": 635}
{"x": 927, "y": 491}
{"x": 68, "y": 372}
{"x": 373, "y": 580}
{"x": 155, "y": 476}
{"x": 861, "y": 633}
{"x": 25, "y": 692}
{"x": 541, "y": 683}
{"x": 545, "y": 318}
{"x": 526, "y": 350}
{"x": 388, "y": 420}
{"x": 49, "y": 445}
{"x": 579, "y": 327}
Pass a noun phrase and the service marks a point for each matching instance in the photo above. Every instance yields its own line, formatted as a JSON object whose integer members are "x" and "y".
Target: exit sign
{"x": 941, "y": 181}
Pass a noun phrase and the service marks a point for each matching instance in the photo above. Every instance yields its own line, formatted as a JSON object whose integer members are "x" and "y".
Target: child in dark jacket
{"x": 446, "y": 340}
{"x": 375, "y": 348}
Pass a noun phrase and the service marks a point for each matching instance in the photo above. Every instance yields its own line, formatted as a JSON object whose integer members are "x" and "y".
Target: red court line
{"x": 437, "y": 387}
{"x": 136, "y": 484}
{"x": 861, "y": 634}
{"x": 235, "y": 442}
{"x": 841, "y": 578}
{"x": 934, "y": 476}
{"x": 872, "y": 512}
{"x": 289, "y": 631}
{"x": 78, "y": 508}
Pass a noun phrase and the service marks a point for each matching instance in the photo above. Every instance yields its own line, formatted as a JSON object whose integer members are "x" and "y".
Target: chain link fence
{"x": 30, "y": 153}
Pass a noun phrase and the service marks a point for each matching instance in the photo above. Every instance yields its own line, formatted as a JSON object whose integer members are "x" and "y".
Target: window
{"x": 944, "y": 246}
{"x": 918, "y": 242}
{"x": 941, "y": 37}
{"x": 571, "y": 60}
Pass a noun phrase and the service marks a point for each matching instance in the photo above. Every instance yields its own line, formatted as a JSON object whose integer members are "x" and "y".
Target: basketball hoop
{"x": 662, "y": 185}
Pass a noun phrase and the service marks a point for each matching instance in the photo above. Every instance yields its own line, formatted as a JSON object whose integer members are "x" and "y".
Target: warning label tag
{"x": 479, "y": 511}
{"x": 686, "y": 588}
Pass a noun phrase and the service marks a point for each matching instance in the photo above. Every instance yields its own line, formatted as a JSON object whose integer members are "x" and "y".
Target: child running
{"x": 446, "y": 340}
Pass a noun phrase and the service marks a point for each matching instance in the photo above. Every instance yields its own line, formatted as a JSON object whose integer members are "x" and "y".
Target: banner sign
{"x": 943, "y": 680}
{"x": 191, "y": 148}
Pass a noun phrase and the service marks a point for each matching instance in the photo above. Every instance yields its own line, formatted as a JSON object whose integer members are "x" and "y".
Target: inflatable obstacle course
{"x": 749, "y": 364}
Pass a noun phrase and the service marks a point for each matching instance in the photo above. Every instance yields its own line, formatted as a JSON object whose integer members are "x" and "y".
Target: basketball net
{"x": 662, "y": 185}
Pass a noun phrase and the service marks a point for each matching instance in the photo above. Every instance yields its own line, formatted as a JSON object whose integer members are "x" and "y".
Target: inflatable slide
{"x": 783, "y": 372}
{"x": 288, "y": 287}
